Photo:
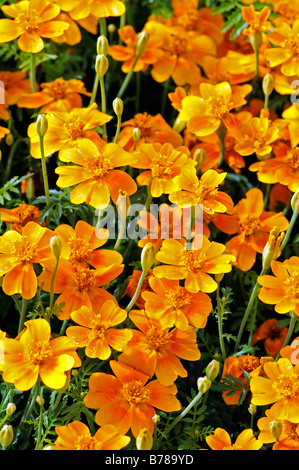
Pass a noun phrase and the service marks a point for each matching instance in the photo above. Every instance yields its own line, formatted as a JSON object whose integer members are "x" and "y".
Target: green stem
{"x": 121, "y": 232}
{"x": 117, "y": 129}
{"x": 221, "y": 133}
{"x": 103, "y": 26}
{"x": 22, "y": 315}
{"x": 52, "y": 284}
{"x": 220, "y": 325}
{"x": 127, "y": 79}
{"x": 33, "y": 73}
{"x": 10, "y": 159}
{"x": 104, "y": 105}
{"x": 289, "y": 231}
{"x": 292, "y": 324}
{"x": 45, "y": 174}
{"x": 184, "y": 412}
{"x": 94, "y": 90}
{"x": 40, "y": 428}
{"x": 257, "y": 64}
{"x": 137, "y": 292}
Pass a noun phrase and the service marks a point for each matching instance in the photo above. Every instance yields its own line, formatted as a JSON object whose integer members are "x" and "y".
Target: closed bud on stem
{"x": 111, "y": 28}
{"x": 123, "y": 204}
{"x": 10, "y": 409}
{"x": 40, "y": 400}
{"x": 6, "y": 435}
{"x": 136, "y": 134}
{"x": 9, "y": 139}
{"x": 142, "y": 41}
{"x": 118, "y": 106}
{"x": 252, "y": 409}
{"x": 102, "y": 65}
{"x": 256, "y": 41}
{"x": 102, "y": 45}
{"x": 212, "y": 370}
{"x": 144, "y": 440}
{"x": 276, "y": 429}
{"x": 271, "y": 250}
{"x": 55, "y": 245}
{"x": 203, "y": 384}
{"x": 41, "y": 125}
{"x": 179, "y": 125}
{"x": 199, "y": 156}
{"x": 268, "y": 84}
{"x": 148, "y": 256}
{"x": 295, "y": 202}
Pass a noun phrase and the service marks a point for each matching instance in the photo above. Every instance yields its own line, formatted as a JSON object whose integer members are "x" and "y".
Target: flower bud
{"x": 102, "y": 45}
{"x": 118, "y": 106}
{"x": 156, "y": 418}
{"x": 102, "y": 65}
{"x": 199, "y": 156}
{"x": 148, "y": 256}
{"x": 136, "y": 134}
{"x": 268, "y": 84}
{"x": 111, "y": 28}
{"x": 144, "y": 440}
{"x": 276, "y": 429}
{"x": 179, "y": 125}
{"x": 252, "y": 409}
{"x": 40, "y": 400}
{"x": 41, "y": 125}
{"x": 10, "y": 409}
{"x": 6, "y": 435}
{"x": 295, "y": 202}
{"x": 212, "y": 370}
{"x": 142, "y": 41}
{"x": 123, "y": 204}
{"x": 203, "y": 384}
{"x": 271, "y": 250}
{"x": 256, "y": 41}
{"x": 9, "y": 139}
{"x": 55, "y": 245}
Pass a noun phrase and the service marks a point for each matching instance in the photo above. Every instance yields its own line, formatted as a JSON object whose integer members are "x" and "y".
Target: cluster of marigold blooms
{"x": 218, "y": 123}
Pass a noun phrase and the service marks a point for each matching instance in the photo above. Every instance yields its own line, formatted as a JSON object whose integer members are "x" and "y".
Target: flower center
{"x": 144, "y": 124}
{"x": 291, "y": 285}
{"x": 193, "y": 260}
{"x": 27, "y": 213}
{"x": 249, "y": 363}
{"x": 218, "y": 107}
{"x": 178, "y": 44}
{"x": 135, "y": 393}
{"x": 178, "y": 297}
{"x": 79, "y": 249}
{"x": 287, "y": 386}
{"x": 293, "y": 158}
{"x": 85, "y": 443}
{"x": 162, "y": 167}
{"x": 37, "y": 352}
{"x": 99, "y": 167}
{"x": 293, "y": 43}
{"x": 74, "y": 127}
{"x": 157, "y": 338}
{"x": 57, "y": 89}
{"x": 291, "y": 429}
{"x": 249, "y": 224}
{"x": 204, "y": 190}
{"x": 29, "y": 19}
{"x": 85, "y": 279}
{"x": 23, "y": 250}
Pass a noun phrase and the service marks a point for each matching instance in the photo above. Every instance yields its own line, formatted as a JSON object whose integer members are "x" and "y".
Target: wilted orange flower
{"x": 280, "y": 389}
{"x": 221, "y": 440}
{"x": 34, "y": 353}
{"x": 285, "y": 38}
{"x": 252, "y": 223}
{"x": 155, "y": 350}
{"x": 257, "y": 20}
{"x": 18, "y": 254}
{"x": 152, "y": 128}
{"x": 173, "y": 305}
{"x": 95, "y": 332}
{"x": 282, "y": 289}
{"x": 67, "y": 129}
{"x": 202, "y": 190}
{"x": 127, "y": 51}
{"x": 272, "y": 335}
{"x": 33, "y": 20}
{"x": 19, "y": 216}
{"x": 77, "y": 436}
{"x": 78, "y": 286}
{"x": 127, "y": 400}
{"x": 162, "y": 163}
{"x": 59, "y": 95}
{"x": 289, "y": 437}
{"x": 93, "y": 173}
{"x": 206, "y": 112}
{"x": 194, "y": 265}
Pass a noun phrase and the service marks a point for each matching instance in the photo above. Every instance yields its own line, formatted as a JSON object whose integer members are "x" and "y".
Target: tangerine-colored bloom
{"x": 155, "y": 350}
{"x": 252, "y": 223}
{"x": 59, "y": 95}
{"x": 95, "y": 332}
{"x": 93, "y": 173}
{"x": 282, "y": 289}
{"x": 221, "y": 440}
{"x": 289, "y": 437}
{"x": 257, "y": 20}
{"x": 285, "y": 38}
{"x": 15, "y": 85}
{"x": 202, "y": 190}
{"x": 272, "y": 335}
{"x": 80, "y": 245}
{"x": 194, "y": 265}
{"x": 173, "y": 305}
{"x": 77, "y": 436}
{"x": 127, "y": 400}
{"x": 205, "y": 113}
{"x": 18, "y": 254}
{"x": 3, "y": 132}
{"x": 280, "y": 389}
{"x": 78, "y": 285}
{"x": 152, "y": 128}
{"x": 162, "y": 163}
{"x": 67, "y": 129}
{"x": 32, "y": 21}
{"x": 107, "y": 8}
{"x": 20, "y": 216}
{"x": 127, "y": 51}
{"x": 34, "y": 353}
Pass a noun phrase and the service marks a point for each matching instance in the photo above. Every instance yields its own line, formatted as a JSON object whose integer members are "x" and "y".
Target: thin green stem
{"x": 117, "y": 129}
{"x": 33, "y": 72}
{"x": 94, "y": 90}
{"x": 292, "y": 324}
{"x": 221, "y": 133}
{"x": 220, "y": 324}
{"x": 127, "y": 79}
{"x": 45, "y": 174}
{"x": 103, "y": 26}
{"x": 121, "y": 232}
{"x": 52, "y": 284}
{"x": 137, "y": 291}
{"x": 289, "y": 231}
{"x": 184, "y": 412}
{"x": 103, "y": 105}
{"x": 22, "y": 315}
{"x": 257, "y": 64}
{"x": 40, "y": 428}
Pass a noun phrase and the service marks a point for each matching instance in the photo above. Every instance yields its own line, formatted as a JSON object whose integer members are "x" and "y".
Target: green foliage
{"x": 11, "y": 187}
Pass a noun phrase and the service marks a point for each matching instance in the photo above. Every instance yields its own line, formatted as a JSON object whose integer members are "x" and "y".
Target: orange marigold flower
{"x": 18, "y": 254}
{"x": 34, "y": 353}
{"x": 194, "y": 265}
{"x": 32, "y": 21}
{"x": 173, "y": 305}
{"x": 77, "y": 436}
{"x": 289, "y": 437}
{"x": 205, "y": 113}
{"x": 95, "y": 332}
{"x": 252, "y": 223}
{"x": 285, "y": 38}
{"x": 3, "y": 131}
{"x": 15, "y": 85}
{"x": 162, "y": 163}
{"x": 19, "y": 216}
{"x": 282, "y": 289}
{"x": 93, "y": 173}
{"x": 156, "y": 350}
{"x": 59, "y": 95}
{"x": 204, "y": 190}
{"x": 257, "y": 20}
{"x": 78, "y": 285}
{"x": 152, "y": 128}
{"x": 280, "y": 389}
{"x": 127, "y": 53}
{"x": 221, "y": 440}
{"x": 272, "y": 335}
{"x": 127, "y": 400}
{"x": 67, "y": 129}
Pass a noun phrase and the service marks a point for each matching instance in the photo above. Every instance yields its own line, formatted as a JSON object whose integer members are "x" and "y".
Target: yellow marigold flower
{"x": 221, "y": 440}
{"x": 106, "y": 8}
{"x": 286, "y": 40}
{"x": 288, "y": 438}
{"x": 35, "y": 354}
{"x": 257, "y": 20}
{"x": 19, "y": 216}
